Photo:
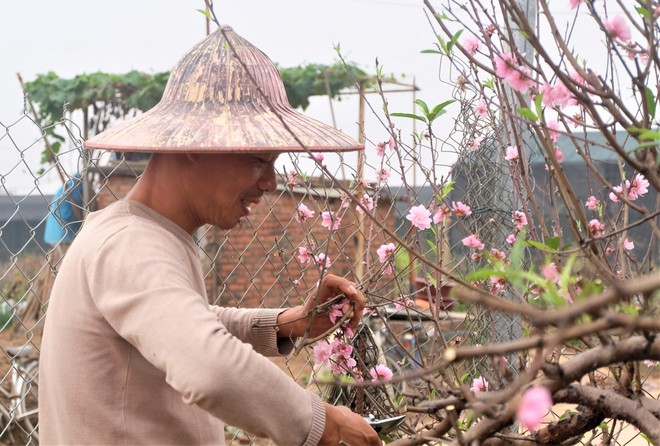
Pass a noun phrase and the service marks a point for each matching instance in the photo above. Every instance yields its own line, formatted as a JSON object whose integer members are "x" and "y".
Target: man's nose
{"x": 268, "y": 181}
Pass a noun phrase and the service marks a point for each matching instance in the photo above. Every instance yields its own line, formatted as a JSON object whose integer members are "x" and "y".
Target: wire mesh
{"x": 275, "y": 259}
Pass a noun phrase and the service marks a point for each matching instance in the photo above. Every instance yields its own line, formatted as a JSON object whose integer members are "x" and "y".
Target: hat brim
{"x": 177, "y": 127}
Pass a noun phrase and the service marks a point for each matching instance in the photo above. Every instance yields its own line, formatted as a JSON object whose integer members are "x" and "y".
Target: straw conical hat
{"x": 210, "y": 104}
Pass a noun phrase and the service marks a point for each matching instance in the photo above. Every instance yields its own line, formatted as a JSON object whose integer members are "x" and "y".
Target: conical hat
{"x": 211, "y": 104}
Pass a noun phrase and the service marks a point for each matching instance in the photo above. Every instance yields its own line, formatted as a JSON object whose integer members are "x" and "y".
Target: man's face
{"x": 230, "y": 184}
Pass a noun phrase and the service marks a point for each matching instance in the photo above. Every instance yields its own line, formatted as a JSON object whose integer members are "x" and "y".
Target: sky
{"x": 72, "y": 37}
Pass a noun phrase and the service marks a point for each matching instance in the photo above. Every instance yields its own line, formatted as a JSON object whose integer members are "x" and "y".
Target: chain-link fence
{"x": 276, "y": 257}
{"x": 273, "y": 259}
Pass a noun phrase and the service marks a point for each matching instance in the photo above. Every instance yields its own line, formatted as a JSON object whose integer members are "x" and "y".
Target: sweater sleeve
{"x": 142, "y": 285}
{"x": 256, "y": 327}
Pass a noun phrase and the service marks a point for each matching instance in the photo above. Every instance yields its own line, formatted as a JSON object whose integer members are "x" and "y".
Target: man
{"x": 132, "y": 353}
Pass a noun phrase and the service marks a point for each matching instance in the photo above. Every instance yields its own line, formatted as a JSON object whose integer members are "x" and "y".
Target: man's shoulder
{"x": 124, "y": 221}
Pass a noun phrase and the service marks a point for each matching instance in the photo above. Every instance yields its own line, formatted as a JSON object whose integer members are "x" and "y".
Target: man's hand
{"x": 296, "y": 321}
{"x": 343, "y": 427}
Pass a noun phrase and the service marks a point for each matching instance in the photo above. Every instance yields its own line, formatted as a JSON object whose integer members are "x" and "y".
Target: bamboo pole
{"x": 360, "y": 249}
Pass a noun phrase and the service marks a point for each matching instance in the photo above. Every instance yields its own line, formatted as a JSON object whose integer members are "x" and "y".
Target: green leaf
{"x": 431, "y": 279}
{"x": 565, "y": 277}
{"x": 439, "y": 110}
{"x": 423, "y": 106}
{"x": 453, "y": 41}
{"x": 643, "y": 12}
{"x": 490, "y": 83}
{"x": 629, "y": 309}
{"x": 517, "y": 250}
{"x": 482, "y": 274}
{"x": 527, "y": 113}
{"x": 538, "y": 103}
{"x": 546, "y": 247}
{"x": 431, "y": 52}
{"x": 446, "y": 189}
{"x": 408, "y": 115}
{"x": 443, "y": 44}
{"x": 552, "y": 242}
{"x": 206, "y": 13}
{"x": 650, "y": 102}
{"x": 649, "y": 134}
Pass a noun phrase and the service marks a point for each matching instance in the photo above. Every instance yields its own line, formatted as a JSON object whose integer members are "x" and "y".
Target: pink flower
{"x": 440, "y": 215}
{"x": 472, "y": 241}
{"x": 303, "y": 254}
{"x": 511, "y": 153}
{"x": 342, "y": 365}
{"x": 550, "y": 272}
{"x": 497, "y": 284}
{"x": 460, "y": 209}
{"x": 519, "y": 80}
{"x": 382, "y": 175}
{"x": 381, "y": 372}
{"x": 385, "y": 252}
{"x": 388, "y": 271}
{"x": 628, "y": 245}
{"x": 617, "y": 28}
{"x": 322, "y": 353}
{"x": 476, "y": 142}
{"x": 559, "y": 154}
{"x": 639, "y": 187}
{"x": 592, "y": 203}
{"x": 322, "y": 261}
{"x": 341, "y": 349}
{"x": 634, "y": 190}
{"x": 534, "y": 405}
{"x": 596, "y": 228}
{"x": 553, "y": 130}
{"x": 291, "y": 178}
{"x": 367, "y": 202}
{"x": 345, "y": 200}
{"x": 577, "y": 78}
{"x": 380, "y": 149}
{"x": 330, "y": 220}
{"x": 650, "y": 363}
{"x": 392, "y": 143}
{"x": 471, "y": 44}
{"x": 575, "y": 3}
{"x": 504, "y": 63}
{"x": 496, "y": 254}
{"x": 511, "y": 239}
{"x": 420, "y": 217}
{"x": 480, "y": 109}
{"x": 557, "y": 96}
{"x": 337, "y": 311}
{"x": 319, "y": 157}
{"x": 403, "y": 302}
{"x": 479, "y": 385}
{"x": 519, "y": 219}
{"x": 304, "y": 213}
{"x": 506, "y": 67}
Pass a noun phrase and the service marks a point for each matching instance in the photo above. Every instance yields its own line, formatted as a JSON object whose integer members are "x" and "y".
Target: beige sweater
{"x": 133, "y": 354}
